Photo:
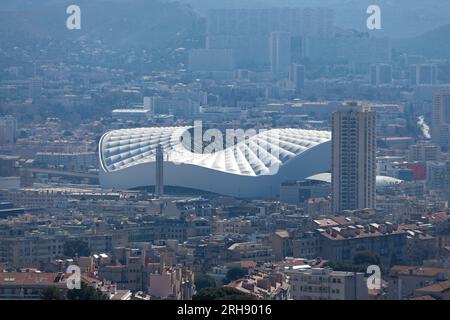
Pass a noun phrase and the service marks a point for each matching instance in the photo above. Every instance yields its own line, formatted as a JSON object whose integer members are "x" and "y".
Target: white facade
{"x": 280, "y": 52}
{"x": 8, "y": 130}
{"x": 255, "y": 167}
{"x": 326, "y": 284}
{"x": 423, "y": 74}
{"x": 380, "y": 74}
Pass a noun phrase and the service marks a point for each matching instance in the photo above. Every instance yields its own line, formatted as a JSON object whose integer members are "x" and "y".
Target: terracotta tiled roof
{"x": 439, "y": 217}
{"x": 19, "y": 279}
{"x": 426, "y": 297}
{"x": 418, "y": 271}
{"x": 437, "y": 287}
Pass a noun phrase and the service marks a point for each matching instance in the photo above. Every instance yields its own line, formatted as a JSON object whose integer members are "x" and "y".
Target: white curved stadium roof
{"x": 262, "y": 155}
{"x": 381, "y": 181}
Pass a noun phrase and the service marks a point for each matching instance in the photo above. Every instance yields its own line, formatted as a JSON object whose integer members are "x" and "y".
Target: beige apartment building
{"x": 353, "y": 158}
{"x": 440, "y": 128}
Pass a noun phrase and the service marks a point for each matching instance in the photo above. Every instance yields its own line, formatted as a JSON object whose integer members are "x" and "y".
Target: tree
{"x": 345, "y": 266}
{"x": 85, "y": 293}
{"x": 223, "y": 293}
{"x": 359, "y": 263}
{"x": 204, "y": 281}
{"x": 235, "y": 273}
{"x": 52, "y": 293}
{"x": 76, "y": 248}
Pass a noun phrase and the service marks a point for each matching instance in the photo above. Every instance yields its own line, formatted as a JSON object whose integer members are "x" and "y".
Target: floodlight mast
{"x": 159, "y": 181}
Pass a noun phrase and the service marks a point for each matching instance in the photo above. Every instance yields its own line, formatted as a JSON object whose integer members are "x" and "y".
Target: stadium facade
{"x": 249, "y": 168}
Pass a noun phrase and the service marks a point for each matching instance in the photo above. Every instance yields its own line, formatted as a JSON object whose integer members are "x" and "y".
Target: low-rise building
{"x": 251, "y": 251}
{"x": 263, "y": 285}
{"x": 404, "y": 280}
{"x": 308, "y": 283}
{"x": 29, "y": 285}
{"x": 280, "y": 243}
{"x": 342, "y": 243}
{"x": 438, "y": 291}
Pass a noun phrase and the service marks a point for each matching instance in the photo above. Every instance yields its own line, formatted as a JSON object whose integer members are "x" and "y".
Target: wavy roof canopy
{"x": 256, "y": 156}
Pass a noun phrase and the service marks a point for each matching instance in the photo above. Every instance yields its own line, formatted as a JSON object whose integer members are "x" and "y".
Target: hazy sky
{"x": 400, "y": 18}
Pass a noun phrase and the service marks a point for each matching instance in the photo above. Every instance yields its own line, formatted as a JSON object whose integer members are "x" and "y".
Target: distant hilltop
{"x": 433, "y": 44}
{"x": 147, "y": 24}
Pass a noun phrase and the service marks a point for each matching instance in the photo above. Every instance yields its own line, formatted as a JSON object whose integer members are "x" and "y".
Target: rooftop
{"x": 418, "y": 271}
{"x": 40, "y": 279}
{"x": 438, "y": 287}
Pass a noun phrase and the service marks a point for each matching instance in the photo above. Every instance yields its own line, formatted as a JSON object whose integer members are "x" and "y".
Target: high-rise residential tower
{"x": 297, "y": 76}
{"x": 423, "y": 74}
{"x": 380, "y": 74}
{"x": 440, "y": 128}
{"x": 280, "y": 53}
{"x": 8, "y": 130}
{"x": 353, "y": 158}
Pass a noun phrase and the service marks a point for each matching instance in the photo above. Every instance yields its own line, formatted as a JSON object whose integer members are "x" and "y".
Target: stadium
{"x": 254, "y": 167}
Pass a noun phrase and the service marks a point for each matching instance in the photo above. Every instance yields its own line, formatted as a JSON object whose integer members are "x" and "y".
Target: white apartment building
{"x": 308, "y": 283}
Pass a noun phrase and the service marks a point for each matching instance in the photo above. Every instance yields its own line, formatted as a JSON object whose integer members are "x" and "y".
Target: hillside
{"x": 132, "y": 34}
{"x": 135, "y": 23}
{"x": 432, "y": 44}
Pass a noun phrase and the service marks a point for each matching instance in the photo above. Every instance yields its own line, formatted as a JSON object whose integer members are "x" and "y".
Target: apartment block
{"x": 325, "y": 284}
